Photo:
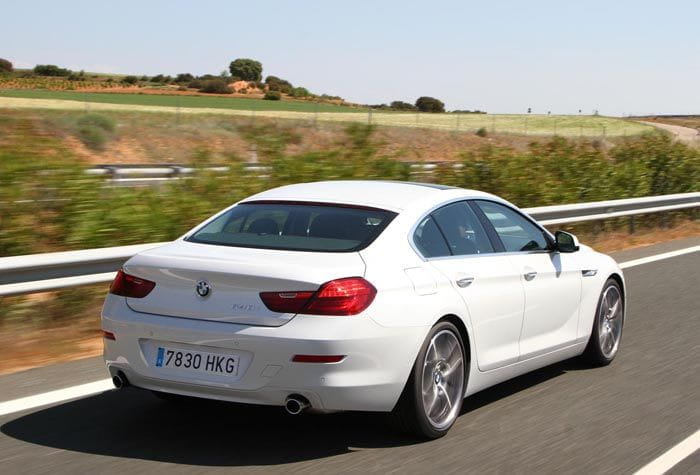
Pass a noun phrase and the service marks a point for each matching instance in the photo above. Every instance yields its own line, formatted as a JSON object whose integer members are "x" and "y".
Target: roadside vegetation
{"x": 48, "y": 203}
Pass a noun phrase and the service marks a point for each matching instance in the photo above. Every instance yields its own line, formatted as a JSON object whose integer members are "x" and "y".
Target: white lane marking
{"x": 74, "y": 392}
{"x": 51, "y": 397}
{"x": 672, "y": 457}
{"x": 658, "y": 257}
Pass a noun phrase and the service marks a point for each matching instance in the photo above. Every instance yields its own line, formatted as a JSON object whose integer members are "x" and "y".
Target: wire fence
{"x": 179, "y": 107}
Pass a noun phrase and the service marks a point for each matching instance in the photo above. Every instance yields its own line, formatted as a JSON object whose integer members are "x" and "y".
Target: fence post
{"x": 177, "y": 116}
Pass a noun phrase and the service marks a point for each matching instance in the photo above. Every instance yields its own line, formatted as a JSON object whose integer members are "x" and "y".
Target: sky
{"x": 619, "y": 57}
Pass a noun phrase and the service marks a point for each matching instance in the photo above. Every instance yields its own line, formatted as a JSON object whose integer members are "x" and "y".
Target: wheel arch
{"x": 463, "y": 332}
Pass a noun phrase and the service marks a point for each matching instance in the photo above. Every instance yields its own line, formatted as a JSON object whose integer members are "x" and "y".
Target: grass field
{"x": 183, "y": 101}
{"x": 535, "y": 125}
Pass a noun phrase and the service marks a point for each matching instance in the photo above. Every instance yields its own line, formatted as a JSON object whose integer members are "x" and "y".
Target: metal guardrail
{"x": 57, "y": 270}
{"x": 154, "y": 174}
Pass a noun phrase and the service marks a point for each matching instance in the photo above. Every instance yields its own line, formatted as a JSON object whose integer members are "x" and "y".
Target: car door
{"x": 454, "y": 241}
{"x": 551, "y": 280}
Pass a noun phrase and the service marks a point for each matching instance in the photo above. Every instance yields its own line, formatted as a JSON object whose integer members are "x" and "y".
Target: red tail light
{"x": 348, "y": 296}
{"x": 130, "y": 286}
{"x": 286, "y": 302}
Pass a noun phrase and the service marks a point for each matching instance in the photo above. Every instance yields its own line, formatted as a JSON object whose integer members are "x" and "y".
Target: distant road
{"x": 684, "y": 134}
{"x": 565, "y": 418}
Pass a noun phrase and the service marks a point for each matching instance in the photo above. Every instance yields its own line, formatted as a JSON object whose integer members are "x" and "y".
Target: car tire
{"x": 606, "y": 335}
{"x": 432, "y": 398}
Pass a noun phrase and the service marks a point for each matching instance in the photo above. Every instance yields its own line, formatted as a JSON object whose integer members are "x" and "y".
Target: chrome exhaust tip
{"x": 119, "y": 380}
{"x": 296, "y": 404}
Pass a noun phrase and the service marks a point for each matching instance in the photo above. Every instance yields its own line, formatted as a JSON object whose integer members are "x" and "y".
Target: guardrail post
{"x": 631, "y": 225}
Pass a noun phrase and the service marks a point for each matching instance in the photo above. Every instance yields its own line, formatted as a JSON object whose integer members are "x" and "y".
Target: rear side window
{"x": 515, "y": 231}
{"x": 295, "y": 227}
{"x": 429, "y": 240}
{"x": 462, "y": 229}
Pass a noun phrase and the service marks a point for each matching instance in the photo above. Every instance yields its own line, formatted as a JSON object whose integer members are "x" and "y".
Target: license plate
{"x": 200, "y": 361}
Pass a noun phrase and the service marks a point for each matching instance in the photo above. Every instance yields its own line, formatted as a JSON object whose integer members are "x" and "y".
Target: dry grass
{"x": 142, "y": 138}
{"x": 24, "y": 346}
{"x": 533, "y": 125}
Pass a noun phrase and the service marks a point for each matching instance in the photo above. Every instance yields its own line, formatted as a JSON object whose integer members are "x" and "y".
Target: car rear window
{"x": 295, "y": 227}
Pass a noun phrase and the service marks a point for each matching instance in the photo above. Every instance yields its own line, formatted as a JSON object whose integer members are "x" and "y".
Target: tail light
{"x": 348, "y": 296}
{"x": 130, "y": 286}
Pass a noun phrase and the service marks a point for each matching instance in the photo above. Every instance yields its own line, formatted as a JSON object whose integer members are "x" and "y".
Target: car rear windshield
{"x": 295, "y": 227}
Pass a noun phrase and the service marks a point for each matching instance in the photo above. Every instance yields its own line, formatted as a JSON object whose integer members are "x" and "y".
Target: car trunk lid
{"x": 230, "y": 280}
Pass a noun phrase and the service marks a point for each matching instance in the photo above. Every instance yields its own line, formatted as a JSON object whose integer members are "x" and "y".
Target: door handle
{"x": 529, "y": 275}
{"x": 464, "y": 282}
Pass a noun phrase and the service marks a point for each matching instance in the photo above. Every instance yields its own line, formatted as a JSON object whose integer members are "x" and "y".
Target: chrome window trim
{"x": 412, "y": 233}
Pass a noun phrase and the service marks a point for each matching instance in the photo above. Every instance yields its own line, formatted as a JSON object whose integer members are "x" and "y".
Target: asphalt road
{"x": 565, "y": 418}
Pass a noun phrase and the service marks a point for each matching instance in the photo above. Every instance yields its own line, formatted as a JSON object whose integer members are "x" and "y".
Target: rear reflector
{"x": 317, "y": 358}
{"x": 130, "y": 286}
{"x": 108, "y": 335}
{"x": 348, "y": 296}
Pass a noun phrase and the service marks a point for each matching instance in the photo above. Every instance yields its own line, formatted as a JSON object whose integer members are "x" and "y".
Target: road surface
{"x": 564, "y": 418}
{"x": 684, "y": 134}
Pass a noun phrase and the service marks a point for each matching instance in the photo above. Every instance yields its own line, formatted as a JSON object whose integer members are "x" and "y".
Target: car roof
{"x": 392, "y": 195}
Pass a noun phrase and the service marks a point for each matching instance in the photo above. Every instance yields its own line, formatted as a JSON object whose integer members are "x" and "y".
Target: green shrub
{"x": 215, "y": 86}
{"x": 130, "y": 80}
{"x": 272, "y": 96}
{"x": 97, "y": 120}
{"x": 93, "y": 137}
{"x": 196, "y": 84}
{"x": 278, "y": 84}
{"x": 184, "y": 77}
{"x": 51, "y": 70}
{"x": 300, "y": 92}
{"x": 94, "y": 130}
{"x": 482, "y": 132}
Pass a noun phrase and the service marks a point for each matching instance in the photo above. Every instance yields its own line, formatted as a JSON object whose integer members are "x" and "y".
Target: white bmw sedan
{"x": 360, "y": 295}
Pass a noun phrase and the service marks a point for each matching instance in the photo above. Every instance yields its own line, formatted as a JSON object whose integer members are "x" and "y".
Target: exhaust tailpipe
{"x": 119, "y": 380}
{"x": 296, "y": 404}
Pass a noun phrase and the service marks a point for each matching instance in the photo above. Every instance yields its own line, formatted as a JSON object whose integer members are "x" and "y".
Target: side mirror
{"x": 566, "y": 242}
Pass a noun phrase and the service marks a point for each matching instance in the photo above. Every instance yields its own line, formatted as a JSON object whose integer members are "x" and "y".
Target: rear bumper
{"x": 370, "y": 378}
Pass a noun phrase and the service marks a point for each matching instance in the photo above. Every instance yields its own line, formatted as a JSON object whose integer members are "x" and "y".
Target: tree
{"x": 5, "y": 66}
{"x": 429, "y": 104}
{"x": 246, "y": 69}
{"x": 402, "y": 106}
{"x": 130, "y": 80}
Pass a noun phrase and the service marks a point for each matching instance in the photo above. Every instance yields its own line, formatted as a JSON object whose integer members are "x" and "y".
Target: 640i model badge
{"x": 203, "y": 288}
